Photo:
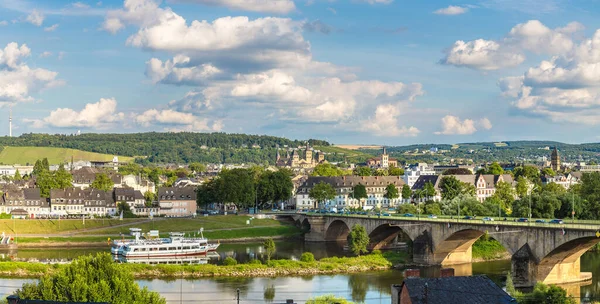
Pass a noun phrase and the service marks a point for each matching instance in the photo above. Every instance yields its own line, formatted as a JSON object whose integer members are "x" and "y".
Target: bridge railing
{"x": 478, "y": 221}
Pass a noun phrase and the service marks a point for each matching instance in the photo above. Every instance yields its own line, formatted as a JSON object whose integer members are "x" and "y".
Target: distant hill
{"x": 339, "y": 154}
{"x": 28, "y": 155}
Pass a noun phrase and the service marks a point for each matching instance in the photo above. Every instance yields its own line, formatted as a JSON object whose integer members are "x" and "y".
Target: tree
{"x": 45, "y": 164}
{"x": 236, "y": 186}
{"x": 328, "y": 299}
{"x": 406, "y": 192}
{"x": 391, "y": 192}
{"x": 554, "y": 188}
{"x": 90, "y": 278}
{"x": 17, "y": 175}
{"x": 359, "y": 192}
{"x": 322, "y": 192}
{"x": 450, "y": 187}
{"x": 150, "y": 197}
{"x": 363, "y": 171}
{"x": 522, "y": 186}
{"x": 102, "y": 182}
{"x": 395, "y": 171}
{"x": 197, "y": 167}
{"x": 45, "y": 181}
{"x": 590, "y": 191}
{"x": 548, "y": 172}
{"x": 505, "y": 194}
{"x": 546, "y": 294}
{"x": 327, "y": 169}
{"x": 274, "y": 186}
{"x": 406, "y": 208}
{"x": 530, "y": 172}
{"x": 457, "y": 171}
{"x": 358, "y": 240}
{"x": 206, "y": 194}
{"x": 123, "y": 207}
{"x": 63, "y": 178}
{"x": 38, "y": 168}
{"x": 495, "y": 169}
{"x": 432, "y": 207}
{"x": 269, "y": 245}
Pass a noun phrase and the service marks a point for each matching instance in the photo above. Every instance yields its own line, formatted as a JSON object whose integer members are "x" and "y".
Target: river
{"x": 373, "y": 287}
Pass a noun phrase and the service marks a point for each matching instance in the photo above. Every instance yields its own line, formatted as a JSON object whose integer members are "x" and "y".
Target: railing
{"x": 477, "y": 221}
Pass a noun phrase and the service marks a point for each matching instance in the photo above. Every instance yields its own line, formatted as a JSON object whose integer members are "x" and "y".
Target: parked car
{"x": 556, "y": 221}
{"x": 213, "y": 212}
{"x": 432, "y": 216}
{"x": 468, "y": 217}
{"x": 540, "y": 221}
{"x": 522, "y": 220}
{"x": 274, "y": 210}
{"x": 385, "y": 214}
{"x": 408, "y": 215}
{"x": 203, "y": 212}
{"x": 488, "y": 219}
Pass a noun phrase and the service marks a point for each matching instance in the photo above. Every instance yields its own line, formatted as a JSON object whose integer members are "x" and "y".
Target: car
{"x": 203, "y": 212}
{"x": 385, "y": 214}
{"x": 488, "y": 219}
{"x": 540, "y": 221}
{"x": 274, "y": 210}
{"x": 408, "y": 215}
{"x": 432, "y": 216}
{"x": 467, "y": 217}
{"x": 556, "y": 221}
{"x": 522, "y": 220}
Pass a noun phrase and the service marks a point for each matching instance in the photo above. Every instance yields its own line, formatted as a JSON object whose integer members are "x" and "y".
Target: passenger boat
{"x": 117, "y": 245}
{"x": 176, "y": 245}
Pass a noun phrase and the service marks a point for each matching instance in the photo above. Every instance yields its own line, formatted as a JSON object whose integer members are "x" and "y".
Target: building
{"x": 477, "y": 289}
{"x": 133, "y": 198}
{"x": 384, "y": 161}
{"x": 485, "y": 184}
{"x": 10, "y": 170}
{"x": 137, "y": 183}
{"x": 28, "y": 200}
{"x": 343, "y": 185}
{"x": 564, "y": 180}
{"x": 412, "y": 173}
{"x": 84, "y": 177}
{"x": 79, "y": 201}
{"x": 177, "y": 201}
{"x": 296, "y": 161}
{"x": 555, "y": 160}
{"x": 440, "y": 169}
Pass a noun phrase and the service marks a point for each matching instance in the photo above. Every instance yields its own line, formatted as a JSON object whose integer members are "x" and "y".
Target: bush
{"x": 307, "y": 257}
{"x": 255, "y": 262}
{"x": 228, "y": 261}
{"x": 376, "y": 251}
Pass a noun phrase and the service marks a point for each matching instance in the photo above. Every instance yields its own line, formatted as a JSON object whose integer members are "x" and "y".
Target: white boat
{"x": 117, "y": 245}
{"x": 176, "y": 245}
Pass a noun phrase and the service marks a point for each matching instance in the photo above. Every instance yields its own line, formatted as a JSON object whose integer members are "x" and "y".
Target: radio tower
{"x": 10, "y": 123}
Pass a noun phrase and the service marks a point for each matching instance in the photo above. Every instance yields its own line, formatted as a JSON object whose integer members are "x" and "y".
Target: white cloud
{"x": 377, "y": 1}
{"x": 45, "y": 54}
{"x": 172, "y": 71}
{"x": 100, "y": 115}
{"x": 17, "y": 80}
{"x": 3, "y": 23}
{"x": 275, "y": 85}
{"x": 385, "y": 123}
{"x": 452, "y": 125}
{"x": 35, "y": 18}
{"x": 176, "y": 121}
{"x": 531, "y": 36}
{"x": 51, "y": 28}
{"x": 451, "y": 10}
{"x": 80, "y": 5}
{"x": 263, "y": 6}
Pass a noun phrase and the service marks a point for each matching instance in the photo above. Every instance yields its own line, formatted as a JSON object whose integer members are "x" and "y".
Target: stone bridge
{"x": 540, "y": 253}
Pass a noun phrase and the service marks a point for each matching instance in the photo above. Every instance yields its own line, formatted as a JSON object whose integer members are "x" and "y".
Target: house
{"x": 79, "y": 201}
{"x": 177, "y": 201}
{"x": 485, "y": 184}
{"x": 477, "y": 289}
{"x": 137, "y": 183}
{"x": 564, "y": 180}
{"x": 412, "y": 173}
{"x": 343, "y": 185}
{"x": 26, "y": 200}
{"x": 10, "y": 170}
{"x": 84, "y": 177}
{"x": 383, "y": 161}
{"x": 133, "y": 198}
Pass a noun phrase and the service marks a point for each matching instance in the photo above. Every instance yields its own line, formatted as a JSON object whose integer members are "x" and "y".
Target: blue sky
{"x": 363, "y": 71}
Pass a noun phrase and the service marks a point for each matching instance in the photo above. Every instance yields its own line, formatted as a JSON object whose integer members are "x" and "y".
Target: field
{"x": 351, "y": 155}
{"x": 358, "y": 147}
{"x": 54, "y": 226}
{"x": 28, "y": 155}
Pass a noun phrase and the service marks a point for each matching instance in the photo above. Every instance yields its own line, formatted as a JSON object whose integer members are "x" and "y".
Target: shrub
{"x": 255, "y": 262}
{"x": 228, "y": 261}
{"x": 376, "y": 251}
{"x": 307, "y": 257}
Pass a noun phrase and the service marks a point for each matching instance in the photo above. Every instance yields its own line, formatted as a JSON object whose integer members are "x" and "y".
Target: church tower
{"x": 295, "y": 158}
{"x": 385, "y": 159}
{"x": 555, "y": 160}
{"x": 309, "y": 155}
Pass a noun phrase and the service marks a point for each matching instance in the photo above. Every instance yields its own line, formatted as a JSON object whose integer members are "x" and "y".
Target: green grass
{"x": 42, "y": 226}
{"x": 350, "y": 154}
{"x": 488, "y": 249}
{"x": 50, "y": 240}
{"x": 25, "y": 155}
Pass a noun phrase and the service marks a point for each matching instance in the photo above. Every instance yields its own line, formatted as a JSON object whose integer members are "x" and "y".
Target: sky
{"x": 390, "y": 72}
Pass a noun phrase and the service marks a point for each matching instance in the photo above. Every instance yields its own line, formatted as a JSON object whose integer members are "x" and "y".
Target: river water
{"x": 371, "y": 287}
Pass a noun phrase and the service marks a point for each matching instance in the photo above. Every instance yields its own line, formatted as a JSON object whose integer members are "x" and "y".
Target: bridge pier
{"x": 317, "y": 230}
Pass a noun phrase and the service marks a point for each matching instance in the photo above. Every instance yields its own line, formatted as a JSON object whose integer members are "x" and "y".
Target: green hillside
{"x": 340, "y": 154}
{"x": 28, "y": 155}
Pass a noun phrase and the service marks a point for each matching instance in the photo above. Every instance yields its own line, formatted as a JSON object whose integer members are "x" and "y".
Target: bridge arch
{"x": 337, "y": 231}
{"x": 562, "y": 265}
{"x": 305, "y": 225}
{"x": 385, "y": 234}
{"x": 457, "y": 247}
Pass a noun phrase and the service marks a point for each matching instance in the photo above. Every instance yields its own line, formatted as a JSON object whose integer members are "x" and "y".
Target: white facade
{"x": 11, "y": 170}
{"x": 411, "y": 175}
{"x": 565, "y": 181}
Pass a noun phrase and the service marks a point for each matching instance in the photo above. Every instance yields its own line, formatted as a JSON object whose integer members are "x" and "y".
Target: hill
{"x": 28, "y": 155}
{"x": 338, "y": 154}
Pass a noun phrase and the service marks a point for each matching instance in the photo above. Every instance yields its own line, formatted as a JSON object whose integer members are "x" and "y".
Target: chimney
{"x": 412, "y": 273}
{"x": 447, "y": 272}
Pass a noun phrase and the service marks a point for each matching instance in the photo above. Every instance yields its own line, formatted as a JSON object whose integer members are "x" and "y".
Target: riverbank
{"x": 372, "y": 262}
{"x": 488, "y": 249}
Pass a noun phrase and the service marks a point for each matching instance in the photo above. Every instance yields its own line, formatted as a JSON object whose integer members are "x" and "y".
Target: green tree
{"x": 554, "y": 188}
{"x": 391, "y": 192}
{"x": 269, "y": 246}
{"x": 590, "y": 191}
{"x": 406, "y": 192}
{"x": 450, "y": 187}
{"x": 17, "y": 175}
{"x": 395, "y": 171}
{"x": 546, "y": 294}
{"x": 522, "y": 186}
{"x": 274, "y": 186}
{"x": 236, "y": 186}
{"x": 45, "y": 181}
{"x": 359, "y": 192}
{"x": 548, "y": 172}
{"x": 428, "y": 190}
{"x": 63, "y": 178}
{"x": 38, "y": 168}
{"x": 363, "y": 171}
{"x": 505, "y": 194}
{"x": 327, "y": 169}
{"x": 197, "y": 167}
{"x": 206, "y": 194}
{"x": 269, "y": 293}
{"x": 150, "y": 197}
{"x": 406, "y": 208}
{"x": 432, "y": 207}
{"x": 102, "y": 182}
{"x": 532, "y": 173}
{"x": 45, "y": 164}
{"x": 90, "y": 278}
{"x": 322, "y": 192}
{"x": 358, "y": 240}
{"x": 457, "y": 171}
{"x": 123, "y": 207}
{"x": 495, "y": 169}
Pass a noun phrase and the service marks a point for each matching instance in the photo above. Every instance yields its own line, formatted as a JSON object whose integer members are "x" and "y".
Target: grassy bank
{"x": 54, "y": 226}
{"x": 375, "y": 261}
{"x": 24, "y": 155}
{"x": 487, "y": 249}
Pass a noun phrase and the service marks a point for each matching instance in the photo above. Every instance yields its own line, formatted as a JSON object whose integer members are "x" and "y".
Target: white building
{"x": 411, "y": 175}
{"x": 565, "y": 181}
{"x": 10, "y": 170}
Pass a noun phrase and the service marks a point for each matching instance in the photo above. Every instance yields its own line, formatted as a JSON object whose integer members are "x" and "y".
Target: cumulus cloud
{"x": 452, "y": 125}
{"x": 263, "y": 6}
{"x": 51, "y": 28}
{"x": 36, "y": 18}
{"x": 451, "y": 10}
{"x": 176, "y": 121}
{"x": 45, "y": 54}
{"x": 531, "y": 36}
{"x": 100, "y": 115}
{"x": 80, "y": 5}
{"x": 17, "y": 80}
{"x": 175, "y": 72}
{"x": 385, "y": 123}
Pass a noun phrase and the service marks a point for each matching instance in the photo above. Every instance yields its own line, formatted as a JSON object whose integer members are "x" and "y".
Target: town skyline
{"x": 371, "y": 72}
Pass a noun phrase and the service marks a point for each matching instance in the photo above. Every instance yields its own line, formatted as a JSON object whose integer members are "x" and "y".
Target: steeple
{"x": 278, "y": 156}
